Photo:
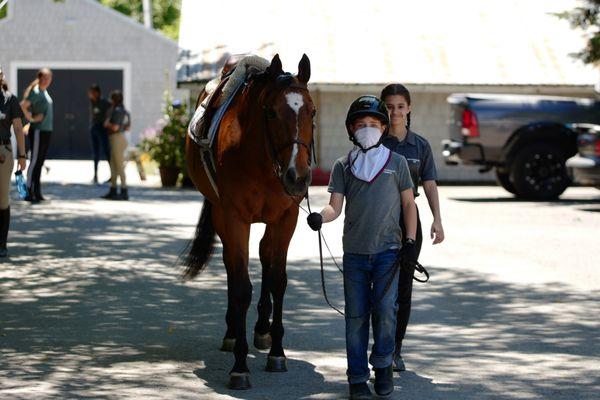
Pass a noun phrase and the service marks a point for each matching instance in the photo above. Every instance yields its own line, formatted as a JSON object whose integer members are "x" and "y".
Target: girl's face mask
{"x": 368, "y": 136}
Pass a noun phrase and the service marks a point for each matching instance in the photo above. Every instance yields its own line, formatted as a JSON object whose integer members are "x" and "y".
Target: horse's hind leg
{"x": 280, "y": 239}
{"x": 262, "y": 329}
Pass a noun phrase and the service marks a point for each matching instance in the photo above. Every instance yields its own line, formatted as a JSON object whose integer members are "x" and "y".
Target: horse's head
{"x": 289, "y": 112}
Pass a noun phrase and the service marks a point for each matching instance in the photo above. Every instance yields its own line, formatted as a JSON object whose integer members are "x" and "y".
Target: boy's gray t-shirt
{"x": 372, "y": 222}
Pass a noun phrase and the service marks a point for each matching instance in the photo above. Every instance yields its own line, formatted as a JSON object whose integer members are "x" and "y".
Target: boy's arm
{"x": 409, "y": 211}
{"x": 328, "y": 213}
{"x": 333, "y": 210}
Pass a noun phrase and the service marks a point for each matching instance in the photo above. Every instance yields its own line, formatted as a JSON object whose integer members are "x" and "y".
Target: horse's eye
{"x": 270, "y": 112}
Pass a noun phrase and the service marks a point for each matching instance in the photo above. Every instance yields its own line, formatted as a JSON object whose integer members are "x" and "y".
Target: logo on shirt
{"x": 2, "y": 116}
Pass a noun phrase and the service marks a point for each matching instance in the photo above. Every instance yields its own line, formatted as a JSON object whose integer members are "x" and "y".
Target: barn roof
{"x": 510, "y": 42}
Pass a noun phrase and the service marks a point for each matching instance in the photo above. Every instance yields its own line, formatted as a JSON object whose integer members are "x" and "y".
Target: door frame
{"x": 124, "y": 66}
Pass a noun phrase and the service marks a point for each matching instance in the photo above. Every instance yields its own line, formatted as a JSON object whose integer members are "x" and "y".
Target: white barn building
{"x": 435, "y": 48}
{"x": 84, "y": 42}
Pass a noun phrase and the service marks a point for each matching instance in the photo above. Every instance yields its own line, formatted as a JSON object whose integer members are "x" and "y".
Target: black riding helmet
{"x": 367, "y": 105}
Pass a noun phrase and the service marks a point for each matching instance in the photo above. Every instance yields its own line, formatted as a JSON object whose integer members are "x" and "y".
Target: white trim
{"x": 124, "y": 66}
{"x": 9, "y": 11}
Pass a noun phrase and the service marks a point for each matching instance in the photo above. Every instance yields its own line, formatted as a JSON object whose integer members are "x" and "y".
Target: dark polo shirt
{"x": 417, "y": 151}
{"x": 9, "y": 110}
{"x": 98, "y": 110}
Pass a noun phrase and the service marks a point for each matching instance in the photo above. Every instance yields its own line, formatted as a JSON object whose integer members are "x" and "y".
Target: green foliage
{"x": 165, "y": 142}
{"x": 587, "y": 18}
{"x": 165, "y": 13}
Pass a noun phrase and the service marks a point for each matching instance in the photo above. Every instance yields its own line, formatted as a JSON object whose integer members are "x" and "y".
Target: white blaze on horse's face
{"x": 295, "y": 101}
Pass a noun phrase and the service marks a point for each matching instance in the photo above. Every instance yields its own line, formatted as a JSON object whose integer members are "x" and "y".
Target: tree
{"x": 587, "y": 18}
{"x": 165, "y": 13}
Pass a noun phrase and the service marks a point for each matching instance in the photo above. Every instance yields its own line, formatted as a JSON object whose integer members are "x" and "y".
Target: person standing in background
{"x": 38, "y": 110}
{"x": 98, "y": 109}
{"x": 10, "y": 115}
{"x": 417, "y": 151}
{"x": 117, "y": 122}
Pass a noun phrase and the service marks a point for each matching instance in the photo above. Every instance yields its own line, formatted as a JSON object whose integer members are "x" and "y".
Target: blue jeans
{"x": 370, "y": 295}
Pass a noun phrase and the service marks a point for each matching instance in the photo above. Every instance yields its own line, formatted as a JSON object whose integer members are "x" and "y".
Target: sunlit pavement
{"x": 92, "y": 304}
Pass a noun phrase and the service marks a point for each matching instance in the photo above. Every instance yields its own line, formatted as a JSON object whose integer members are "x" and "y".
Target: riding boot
{"x": 124, "y": 195}
{"x": 112, "y": 194}
{"x": 4, "y": 225}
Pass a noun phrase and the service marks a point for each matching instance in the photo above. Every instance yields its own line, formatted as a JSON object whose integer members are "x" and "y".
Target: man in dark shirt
{"x": 98, "y": 108}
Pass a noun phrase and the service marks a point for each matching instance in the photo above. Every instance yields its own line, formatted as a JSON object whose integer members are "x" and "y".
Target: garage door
{"x": 71, "y": 138}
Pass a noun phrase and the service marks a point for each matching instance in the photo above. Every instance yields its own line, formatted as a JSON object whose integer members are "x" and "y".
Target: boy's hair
{"x": 94, "y": 87}
{"x": 397, "y": 89}
{"x": 117, "y": 97}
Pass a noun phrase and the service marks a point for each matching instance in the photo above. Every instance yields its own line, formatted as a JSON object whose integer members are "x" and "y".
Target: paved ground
{"x": 92, "y": 305}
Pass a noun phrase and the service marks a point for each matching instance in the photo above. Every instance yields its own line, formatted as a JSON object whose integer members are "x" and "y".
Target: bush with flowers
{"x": 165, "y": 141}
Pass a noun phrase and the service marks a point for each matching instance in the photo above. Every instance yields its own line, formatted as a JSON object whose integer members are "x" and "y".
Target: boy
{"x": 376, "y": 183}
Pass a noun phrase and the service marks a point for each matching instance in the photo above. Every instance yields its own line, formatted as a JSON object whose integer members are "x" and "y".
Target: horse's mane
{"x": 241, "y": 71}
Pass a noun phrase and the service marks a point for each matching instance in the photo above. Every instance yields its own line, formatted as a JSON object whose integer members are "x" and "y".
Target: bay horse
{"x": 262, "y": 158}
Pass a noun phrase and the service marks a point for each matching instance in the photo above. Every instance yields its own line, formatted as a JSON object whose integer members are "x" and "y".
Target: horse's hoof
{"x": 276, "y": 364}
{"x": 262, "y": 342}
{"x": 227, "y": 345}
{"x": 239, "y": 381}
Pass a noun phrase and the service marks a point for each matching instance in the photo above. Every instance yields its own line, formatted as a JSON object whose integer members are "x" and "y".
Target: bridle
{"x": 278, "y": 166}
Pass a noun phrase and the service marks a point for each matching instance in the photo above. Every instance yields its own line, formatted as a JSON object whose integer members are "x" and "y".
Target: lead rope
{"x": 322, "y": 266}
{"x": 397, "y": 265}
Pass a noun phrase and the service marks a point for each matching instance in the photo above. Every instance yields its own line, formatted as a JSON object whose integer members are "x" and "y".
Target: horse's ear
{"x": 304, "y": 69}
{"x": 275, "y": 69}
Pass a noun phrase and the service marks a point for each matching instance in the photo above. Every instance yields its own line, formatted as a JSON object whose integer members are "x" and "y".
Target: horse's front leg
{"x": 234, "y": 235}
{"x": 262, "y": 329}
{"x": 280, "y": 240}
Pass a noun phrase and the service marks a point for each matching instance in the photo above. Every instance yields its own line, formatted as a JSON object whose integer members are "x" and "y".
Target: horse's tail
{"x": 202, "y": 245}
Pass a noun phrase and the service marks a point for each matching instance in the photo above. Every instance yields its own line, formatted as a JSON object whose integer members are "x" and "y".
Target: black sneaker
{"x": 3, "y": 252}
{"x": 124, "y": 195}
{"x": 384, "y": 381}
{"x": 360, "y": 391}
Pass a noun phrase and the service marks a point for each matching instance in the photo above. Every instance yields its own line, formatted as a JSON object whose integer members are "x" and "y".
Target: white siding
{"x": 83, "y": 31}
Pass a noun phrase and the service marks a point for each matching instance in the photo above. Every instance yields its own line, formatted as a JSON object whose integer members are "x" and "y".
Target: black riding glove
{"x": 409, "y": 253}
{"x": 315, "y": 221}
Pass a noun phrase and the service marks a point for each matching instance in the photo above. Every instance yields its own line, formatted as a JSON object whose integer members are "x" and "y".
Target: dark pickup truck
{"x": 526, "y": 139}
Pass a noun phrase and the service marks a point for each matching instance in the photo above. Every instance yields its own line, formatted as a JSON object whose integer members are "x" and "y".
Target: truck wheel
{"x": 503, "y": 179}
{"x": 539, "y": 173}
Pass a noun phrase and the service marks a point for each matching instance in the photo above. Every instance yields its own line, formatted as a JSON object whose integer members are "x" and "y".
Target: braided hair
{"x": 397, "y": 89}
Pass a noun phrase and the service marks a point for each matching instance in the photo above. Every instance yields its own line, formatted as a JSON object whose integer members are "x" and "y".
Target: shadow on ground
{"x": 96, "y": 308}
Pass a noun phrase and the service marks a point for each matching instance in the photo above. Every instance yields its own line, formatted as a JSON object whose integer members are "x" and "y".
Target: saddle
{"x": 214, "y": 102}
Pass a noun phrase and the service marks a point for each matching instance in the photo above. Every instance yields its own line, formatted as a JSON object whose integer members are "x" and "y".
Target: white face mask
{"x": 367, "y": 136}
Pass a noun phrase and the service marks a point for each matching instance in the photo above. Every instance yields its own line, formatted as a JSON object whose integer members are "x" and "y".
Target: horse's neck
{"x": 253, "y": 131}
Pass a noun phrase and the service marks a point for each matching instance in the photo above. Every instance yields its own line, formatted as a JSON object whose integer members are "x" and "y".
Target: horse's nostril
{"x": 291, "y": 175}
